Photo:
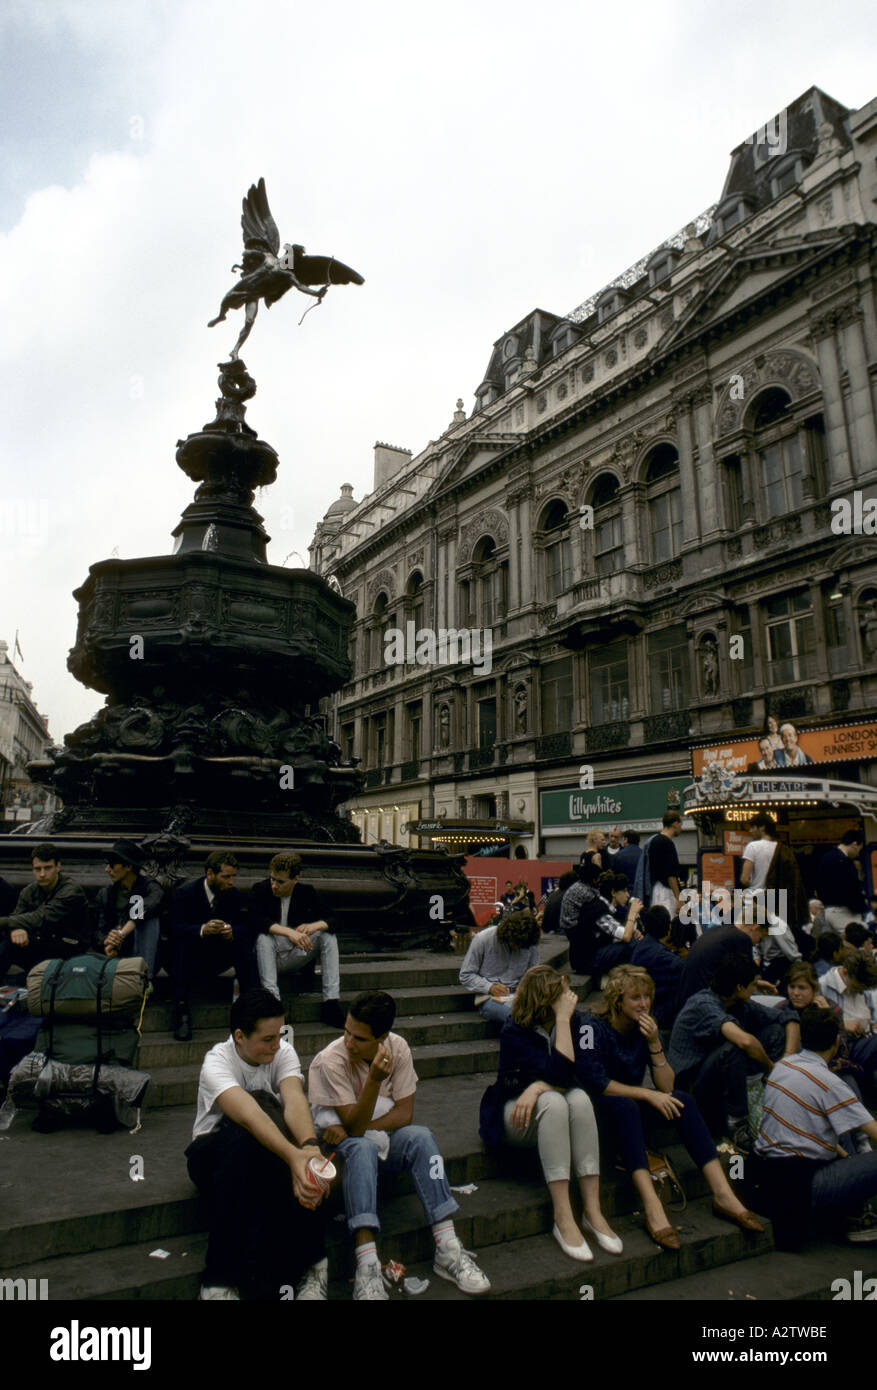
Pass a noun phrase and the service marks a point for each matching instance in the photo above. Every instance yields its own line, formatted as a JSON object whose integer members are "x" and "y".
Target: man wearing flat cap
{"x": 128, "y": 907}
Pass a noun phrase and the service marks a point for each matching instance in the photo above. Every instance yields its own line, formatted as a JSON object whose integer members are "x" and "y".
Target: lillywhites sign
{"x": 621, "y": 802}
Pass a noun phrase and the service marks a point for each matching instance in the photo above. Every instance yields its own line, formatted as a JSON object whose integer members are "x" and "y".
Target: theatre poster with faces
{"x": 786, "y": 747}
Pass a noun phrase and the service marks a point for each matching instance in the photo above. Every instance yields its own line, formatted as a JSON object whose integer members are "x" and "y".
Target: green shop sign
{"x": 624, "y": 803}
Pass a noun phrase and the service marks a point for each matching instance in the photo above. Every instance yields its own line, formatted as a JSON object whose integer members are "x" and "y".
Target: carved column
{"x": 632, "y": 518}
{"x": 451, "y": 572}
{"x": 528, "y": 575}
{"x": 836, "y": 441}
{"x": 712, "y": 503}
{"x": 820, "y": 671}
{"x": 861, "y": 402}
{"x": 757, "y": 638}
{"x": 684, "y": 441}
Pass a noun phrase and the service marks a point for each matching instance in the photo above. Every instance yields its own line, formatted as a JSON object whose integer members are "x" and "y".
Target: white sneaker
{"x": 314, "y": 1287}
{"x": 218, "y": 1291}
{"x": 369, "y": 1284}
{"x": 458, "y": 1266}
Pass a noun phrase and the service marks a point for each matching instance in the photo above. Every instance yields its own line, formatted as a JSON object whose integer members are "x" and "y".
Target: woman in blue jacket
{"x": 612, "y": 1056}
{"x": 536, "y": 1100}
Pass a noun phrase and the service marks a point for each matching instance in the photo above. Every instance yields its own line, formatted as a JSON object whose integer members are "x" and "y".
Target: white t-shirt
{"x": 223, "y": 1068}
{"x": 759, "y": 853}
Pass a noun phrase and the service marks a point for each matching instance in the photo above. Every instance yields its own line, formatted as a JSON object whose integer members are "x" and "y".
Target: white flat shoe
{"x": 576, "y": 1252}
{"x": 613, "y": 1244}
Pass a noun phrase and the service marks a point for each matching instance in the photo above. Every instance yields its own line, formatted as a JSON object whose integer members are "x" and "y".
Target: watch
{"x": 305, "y": 1142}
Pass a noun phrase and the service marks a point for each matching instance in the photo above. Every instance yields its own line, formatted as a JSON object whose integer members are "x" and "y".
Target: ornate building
{"x": 24, "y": 735}
{"x": 639, "y": 512}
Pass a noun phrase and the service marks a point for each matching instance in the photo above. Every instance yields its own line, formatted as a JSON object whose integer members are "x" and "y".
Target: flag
{"x": 16, "y": 650}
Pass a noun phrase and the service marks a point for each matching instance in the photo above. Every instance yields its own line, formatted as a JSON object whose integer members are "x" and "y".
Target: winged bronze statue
{"x": 267, "y": 275}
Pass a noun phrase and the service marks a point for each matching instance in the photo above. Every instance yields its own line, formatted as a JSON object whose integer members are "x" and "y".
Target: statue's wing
{"x": 257, "y": 223}
{"x": 324, "y": 270}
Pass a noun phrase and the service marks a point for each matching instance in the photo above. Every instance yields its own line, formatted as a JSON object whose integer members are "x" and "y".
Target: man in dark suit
{"x": 208, "y": 935}
{"x": 291, "y": 929}
{"x": 628, "y": 856}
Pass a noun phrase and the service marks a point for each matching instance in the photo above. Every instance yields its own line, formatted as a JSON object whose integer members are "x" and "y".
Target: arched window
{"x": 608, "y": 538}
{"x": 664, "y": 500}
{"x": 489, "y": 583}
{"x": 557, "y": 547}
{"x": 779, "y": 448}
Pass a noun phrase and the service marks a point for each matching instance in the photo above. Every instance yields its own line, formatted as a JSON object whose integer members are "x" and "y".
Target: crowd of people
{"x": 720, "y": 1021}
{"x": 748, "y": 1031}
{"x": 197, "y": 931}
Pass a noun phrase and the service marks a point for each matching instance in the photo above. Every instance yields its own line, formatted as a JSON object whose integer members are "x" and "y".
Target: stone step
{"x": 805, "y": 1276}
{"x": 178, "y": 1085}
{"x": 160, "y": 1050}
{"x": 534, "y": 1267}
{"x": 503, "y": 1215}
{"x": 47, "y": 1214}
{"x": 305, "y": 1008}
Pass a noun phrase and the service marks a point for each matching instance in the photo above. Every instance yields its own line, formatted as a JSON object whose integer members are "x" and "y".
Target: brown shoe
{"x": 666, "y": 1237}
{"x": 746, "y": 1220}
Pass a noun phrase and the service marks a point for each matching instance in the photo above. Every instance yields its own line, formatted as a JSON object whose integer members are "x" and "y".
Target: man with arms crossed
{"x": 367, "y": 1077}
{"x": 249, "y": 1157}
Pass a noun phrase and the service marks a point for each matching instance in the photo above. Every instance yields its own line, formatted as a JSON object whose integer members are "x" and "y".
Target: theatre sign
{"x": 788, "y": 748}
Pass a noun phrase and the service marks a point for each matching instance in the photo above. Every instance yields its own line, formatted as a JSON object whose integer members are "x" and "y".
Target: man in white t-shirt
{"x": 757, "y": 856}
{"x": 249, "y": 1158}
{"x": 356, "y": 1076}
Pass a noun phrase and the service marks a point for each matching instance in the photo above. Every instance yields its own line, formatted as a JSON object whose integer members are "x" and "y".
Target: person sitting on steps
{"x": 369, "y": 1064}
{"x": 208, "y": 935}
{"x": 291, "y": 928}
{"x": 497, "y": 961}
{"x": 611, "y": 1057}
{"x": 537, "y": 1101}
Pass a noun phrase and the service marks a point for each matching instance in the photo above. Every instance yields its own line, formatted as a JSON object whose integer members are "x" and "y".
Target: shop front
{"x": 568, "y": 813}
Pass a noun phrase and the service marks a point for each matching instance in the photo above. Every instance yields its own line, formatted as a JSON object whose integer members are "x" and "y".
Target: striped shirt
{"x": 806, "y": 1109}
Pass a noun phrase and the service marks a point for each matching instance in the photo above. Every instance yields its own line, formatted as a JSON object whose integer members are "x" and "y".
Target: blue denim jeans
{"x": 277, "y": 953}
{"x": 495, "y": 1011}
{"x": 412, "y": 1149}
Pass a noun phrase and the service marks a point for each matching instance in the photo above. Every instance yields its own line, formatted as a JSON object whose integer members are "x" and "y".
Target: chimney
{"x": 388, "y": 460}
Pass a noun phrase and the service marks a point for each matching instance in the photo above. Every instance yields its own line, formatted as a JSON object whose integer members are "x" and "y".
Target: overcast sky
{"x": 473, "y": 161}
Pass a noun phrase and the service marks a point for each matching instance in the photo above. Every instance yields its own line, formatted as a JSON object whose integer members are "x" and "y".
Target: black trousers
{"x": 195, "y": 957}
{"x": 719, "y": 1083}
{"x": 35, "y": 951}
{"x": 261, "y": 1238}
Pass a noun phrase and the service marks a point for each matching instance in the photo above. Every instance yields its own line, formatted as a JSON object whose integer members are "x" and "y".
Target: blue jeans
{"x": 277, "y": 953}
{"x": 846, "y": 1183}
{"x": 495, "y": 1011}
{"x": 412, "y": 1149}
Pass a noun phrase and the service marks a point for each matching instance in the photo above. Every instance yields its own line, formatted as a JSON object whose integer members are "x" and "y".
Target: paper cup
{"x": 321, "y": 1172}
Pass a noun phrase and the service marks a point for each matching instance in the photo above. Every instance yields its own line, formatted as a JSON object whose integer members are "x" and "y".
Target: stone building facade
{"x": 24, "y": 736}
{"x": 639, "y": 513}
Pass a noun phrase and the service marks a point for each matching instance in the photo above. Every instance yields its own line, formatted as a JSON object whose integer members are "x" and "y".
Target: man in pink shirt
{"x": 368, "y": 1080}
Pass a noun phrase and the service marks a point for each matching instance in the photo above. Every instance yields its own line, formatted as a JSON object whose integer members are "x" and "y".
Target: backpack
{"x": 91, "y": 1006}
{"x": 642, "y": 879}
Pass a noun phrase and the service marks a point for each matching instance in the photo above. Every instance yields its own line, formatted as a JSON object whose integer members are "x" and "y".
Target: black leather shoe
{"x": 332, "y": 1013}
{"x": 182, "y": 1024}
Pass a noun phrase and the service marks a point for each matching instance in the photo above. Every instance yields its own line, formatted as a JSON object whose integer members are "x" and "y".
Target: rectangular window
{"x": 734, "y": 487}
{"x": 608, "y": 546}
{"x": 669, "y": 666}
{"x": 380, "y": 744}
{"x": 791, "y": 639}
{"x": 558, "y": 568}
{"x": 814, "y": 436}
{"x": 556, "y": 687}
{"x": 414, "y": 712}
{"x": 487, "y": 723}
{"x": 610, "y": 692}
{"x": 348, "y": 734}
{"x": 665, "y": 513}
{"x": 781, "y": 477}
